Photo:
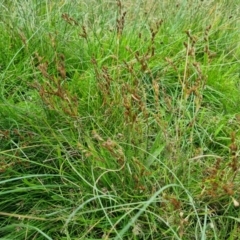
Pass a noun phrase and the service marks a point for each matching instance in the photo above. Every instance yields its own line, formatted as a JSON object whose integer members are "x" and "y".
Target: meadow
{"x": 119, "y": 119}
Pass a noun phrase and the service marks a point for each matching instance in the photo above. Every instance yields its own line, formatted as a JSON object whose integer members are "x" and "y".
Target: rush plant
{"x": 119, "y": 120}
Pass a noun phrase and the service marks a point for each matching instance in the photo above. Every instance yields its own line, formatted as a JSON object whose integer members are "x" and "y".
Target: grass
{"x": 119, "y": 120}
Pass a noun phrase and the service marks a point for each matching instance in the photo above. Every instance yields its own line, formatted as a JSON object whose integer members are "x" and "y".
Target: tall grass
{"x": 119, "y": 120}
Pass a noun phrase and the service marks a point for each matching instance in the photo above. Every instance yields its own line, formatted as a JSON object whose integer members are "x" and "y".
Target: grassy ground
{"x": 119, "y": 120}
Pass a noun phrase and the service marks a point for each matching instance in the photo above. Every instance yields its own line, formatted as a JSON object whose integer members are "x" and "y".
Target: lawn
{"x": 119, "y": 120}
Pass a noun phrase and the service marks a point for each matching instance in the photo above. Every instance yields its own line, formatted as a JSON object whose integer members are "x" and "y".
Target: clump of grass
{"x": 119, "y": 124}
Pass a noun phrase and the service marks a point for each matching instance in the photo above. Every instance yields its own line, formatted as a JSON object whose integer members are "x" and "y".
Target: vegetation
{"x": 119, "y": 119}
